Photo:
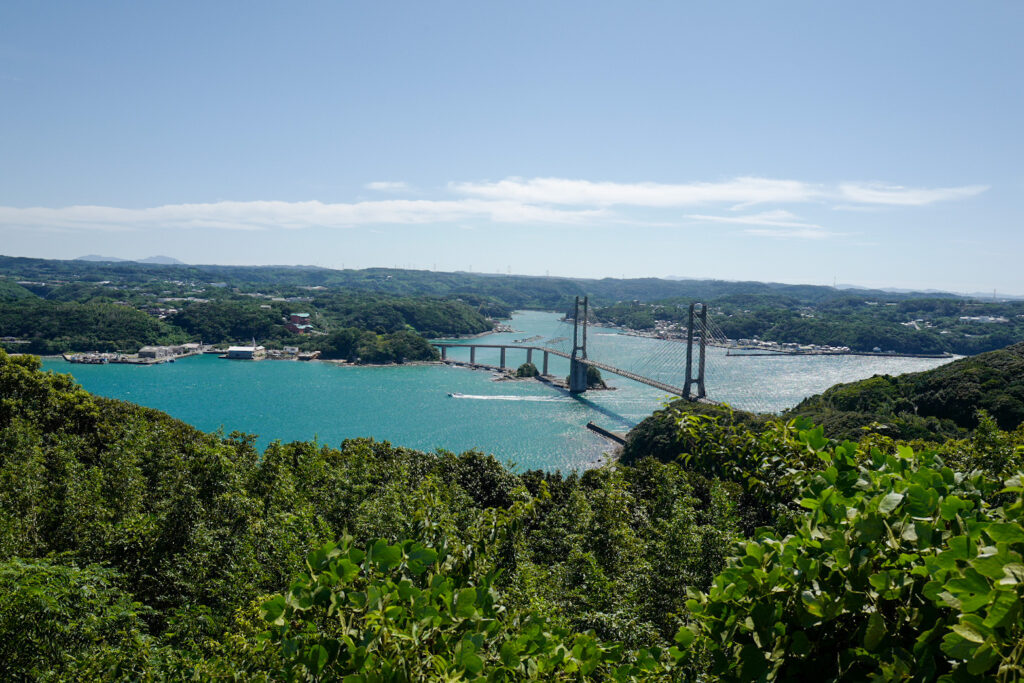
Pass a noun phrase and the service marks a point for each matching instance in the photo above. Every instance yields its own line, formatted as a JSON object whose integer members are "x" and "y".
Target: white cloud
{"x": 897, "y": 195}
{"x": 263, "y": 215}
{"x": 742, "y": 191}
{"x": 536, "y": 201}
{"x": 585, "y": 192}
{"x": 388, "y": 186}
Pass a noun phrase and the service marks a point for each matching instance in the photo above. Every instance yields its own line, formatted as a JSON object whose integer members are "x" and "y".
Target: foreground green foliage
{"x": 407, "y": 612}
{"x": 198, "y": 528}
{"x": 900, "y": 568}
{"x": 60, "y": 621}
{"x": 133, "y": 547}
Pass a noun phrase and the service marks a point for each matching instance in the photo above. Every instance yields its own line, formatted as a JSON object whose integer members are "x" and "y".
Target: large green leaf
{"x": 890, "y": 502}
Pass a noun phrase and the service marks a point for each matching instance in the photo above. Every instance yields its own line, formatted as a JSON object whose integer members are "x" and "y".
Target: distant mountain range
{"x": 943, "y": 293}
{"x": 159, "y": 260}
{"x": 940, "y": 293}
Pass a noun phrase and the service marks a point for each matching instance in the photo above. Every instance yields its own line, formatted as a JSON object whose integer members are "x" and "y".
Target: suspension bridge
{"x": 666, "y": 366}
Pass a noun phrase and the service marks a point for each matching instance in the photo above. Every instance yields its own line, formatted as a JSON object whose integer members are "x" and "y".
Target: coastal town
{"x": 156, "y": 355}
{"x": 673, "y": 331}
{"x": 297, "y": 323}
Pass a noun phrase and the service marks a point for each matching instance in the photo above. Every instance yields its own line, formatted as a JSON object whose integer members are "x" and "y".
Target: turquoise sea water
{"x": 528, "y": 423}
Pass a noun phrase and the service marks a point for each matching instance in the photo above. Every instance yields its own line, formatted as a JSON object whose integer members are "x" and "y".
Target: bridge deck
{"x": 633, "y": 376}
{"x": 586, "y": 361}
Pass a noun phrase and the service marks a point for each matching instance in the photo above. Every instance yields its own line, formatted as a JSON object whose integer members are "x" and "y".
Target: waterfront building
{"x": 246, "y": 352}
{"x": 156, "y": 352}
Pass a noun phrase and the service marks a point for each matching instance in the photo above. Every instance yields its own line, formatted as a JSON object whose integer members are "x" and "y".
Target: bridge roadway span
{"x": 586, "y": 361}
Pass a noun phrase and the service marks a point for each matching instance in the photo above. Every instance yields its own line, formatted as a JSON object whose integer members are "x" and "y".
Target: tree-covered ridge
{"x": 87, "y": 317}
{"x": 517, "y": 291}
{"x": 429, "y": 316}
{"x": 52, "y": 326}
{"x": 384, "y": 300}
{"x": 12, "y": 291}
{"x": 862, "y": 321}
{"x": 933, "y": 405}
{"x": 937, "y": 403}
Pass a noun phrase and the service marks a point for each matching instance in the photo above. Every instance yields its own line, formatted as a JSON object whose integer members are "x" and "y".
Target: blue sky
{"x": 873, "y": 143}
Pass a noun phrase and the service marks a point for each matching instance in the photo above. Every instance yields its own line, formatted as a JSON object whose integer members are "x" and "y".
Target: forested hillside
{"x": 860, "y": 320}
{"x": 384, "y": 301}
{"x": 135, "y": 547}
{"x": 11, "y": 291}
{"x": 936, "y": 403}
{"x": 52, "y": 327}
{"x": 105, "y": 315}
{"x": 518, "y": 291}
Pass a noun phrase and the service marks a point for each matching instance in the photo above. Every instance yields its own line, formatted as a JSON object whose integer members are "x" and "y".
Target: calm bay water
{"x": 528, "y": 423}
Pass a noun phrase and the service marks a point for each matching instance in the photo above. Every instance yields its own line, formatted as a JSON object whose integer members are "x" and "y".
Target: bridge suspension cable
{"x": 664, "y": 360}
{"x": 693, "y": 367}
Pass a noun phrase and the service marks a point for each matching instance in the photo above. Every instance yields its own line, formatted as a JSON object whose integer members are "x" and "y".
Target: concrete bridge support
{"x": 529, "y": 355}
{"x": 472, "y": 355}
{"x": 578, "y": 370}
{"x": 444, "y": 353}
{"x": 545, "y": 363}
{"x": 577, "y": 377}
{"x": 502, "y": 365}
{"x": 700, "y": 318}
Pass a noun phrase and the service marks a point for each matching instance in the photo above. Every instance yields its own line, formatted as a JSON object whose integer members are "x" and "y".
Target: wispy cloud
{"x": 745, "y": 190}
{"x": 779, "y": 224}
{"x": 897, "y": 195}
{"x": 263, "y": 215}
{"x": 535, "y": 201}
{"x": 780, "y": 218}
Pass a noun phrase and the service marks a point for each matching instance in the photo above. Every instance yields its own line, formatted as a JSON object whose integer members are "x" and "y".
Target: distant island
{"x": 161, "y": 260}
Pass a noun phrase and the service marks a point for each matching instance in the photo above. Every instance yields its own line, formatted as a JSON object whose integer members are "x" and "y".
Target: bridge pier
{"x": 577, "y": 377}
{"x": 694, "y": 319}
{"x": 578, "y": 370}
{"x": 529, "y": 355}
{"x": 579, "y": 365}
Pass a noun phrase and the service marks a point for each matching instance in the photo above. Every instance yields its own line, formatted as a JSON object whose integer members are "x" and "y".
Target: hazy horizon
{"x": 147, "y": 260}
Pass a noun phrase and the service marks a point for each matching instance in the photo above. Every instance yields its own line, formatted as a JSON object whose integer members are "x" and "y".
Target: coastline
{"x": 344, "y": 363}
{"x": 762, "y": 351}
